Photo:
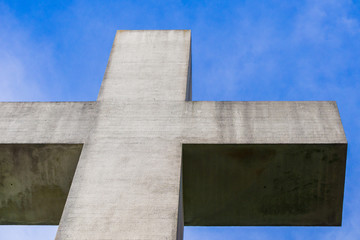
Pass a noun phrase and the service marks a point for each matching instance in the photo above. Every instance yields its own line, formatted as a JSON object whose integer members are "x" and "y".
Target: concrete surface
{"x": 127, "y": 182}
{"x": 40, "y": 146}
{"x": 263, "y": 184}
{"x": 46, "y": 122}
{"x": 35, "y": 181}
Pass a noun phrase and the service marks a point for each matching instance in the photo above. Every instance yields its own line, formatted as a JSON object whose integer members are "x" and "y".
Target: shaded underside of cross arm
{"x": 264, "y": 122}
{"x": 46, "y": 122}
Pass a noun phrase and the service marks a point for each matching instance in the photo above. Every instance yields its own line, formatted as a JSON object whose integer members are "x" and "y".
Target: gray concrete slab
{"x": 263, "y": 184}
{"x": 127, "y": 182}
{"x": 40, "y": 146}
{"x": 46, "y": 122}
{"x": 263, "y": 122}
{"x": 129, "y": 170}
{"x": 35, "y": 181}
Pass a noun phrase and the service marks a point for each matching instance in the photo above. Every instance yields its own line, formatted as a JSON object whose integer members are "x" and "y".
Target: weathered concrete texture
{"x": 129, "y": 170}
{"x": 263, "y": 122}
{"x": 46, "y": 122}
{"x": 147, "y": 66}
{"x": 127, "y": 182}
{"x": 35, "y": 180}
{"x": 263, "y": 184}
{"x": 35, "y": 168}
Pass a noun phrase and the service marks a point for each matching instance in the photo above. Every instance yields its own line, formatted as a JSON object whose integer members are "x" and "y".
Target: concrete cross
{"x": 149, "y": 160}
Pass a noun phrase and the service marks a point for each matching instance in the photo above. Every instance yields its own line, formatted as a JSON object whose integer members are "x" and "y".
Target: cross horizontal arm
{"x": 46, "y": 122}
{"x": 263, "y": 163}
{"x": 40, "y": 146}
{"x": 264, "y": 122}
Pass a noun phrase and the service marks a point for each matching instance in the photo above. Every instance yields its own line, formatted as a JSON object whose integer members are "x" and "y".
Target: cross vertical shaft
{"x": 129, "y": 170}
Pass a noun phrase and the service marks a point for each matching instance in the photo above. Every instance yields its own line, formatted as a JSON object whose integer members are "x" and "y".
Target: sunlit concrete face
{"x": 263, "y": 184}
{"x": 35, "y": 181}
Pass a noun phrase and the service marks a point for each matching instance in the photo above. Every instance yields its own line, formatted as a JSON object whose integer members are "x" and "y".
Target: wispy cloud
{"x": 27, "y": 232}
{"x": 273, "y": 50}
{"x": 26, "y": 62}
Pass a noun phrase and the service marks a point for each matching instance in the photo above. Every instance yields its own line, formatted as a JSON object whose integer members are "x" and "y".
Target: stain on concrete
{"x": 35, "y": 180}
{"x": 263, "y": 184}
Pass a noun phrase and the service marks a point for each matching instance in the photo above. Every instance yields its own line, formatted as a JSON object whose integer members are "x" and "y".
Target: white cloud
{"x": 27, "y": 232}
{"x": 25, "y": 60}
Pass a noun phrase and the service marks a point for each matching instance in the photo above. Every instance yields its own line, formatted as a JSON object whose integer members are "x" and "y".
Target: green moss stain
{"x": 35, "y": 180}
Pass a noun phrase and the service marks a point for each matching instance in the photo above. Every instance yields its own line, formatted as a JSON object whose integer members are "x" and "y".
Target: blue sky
{"x": 242, "y": 50}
